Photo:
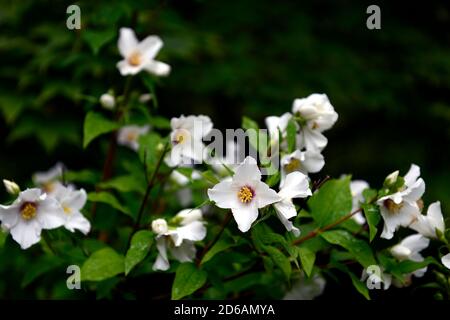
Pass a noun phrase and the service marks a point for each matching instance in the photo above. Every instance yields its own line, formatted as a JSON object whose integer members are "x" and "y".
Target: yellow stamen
{"x": 132, "y": 136}
{"x": 67, "y": 210}
{"x": 28, "y": 211}
{"x": 245, "y": 194}
{"x": 392, "y": 206}
{"x": 135, "y": 59}
{"x": 293, "y": 165}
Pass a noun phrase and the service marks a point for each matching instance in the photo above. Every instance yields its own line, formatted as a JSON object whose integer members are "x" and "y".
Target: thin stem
{"x": 318, "y": 231}
{"x": 216, "y": 238}
{"x": 48, "y": 243}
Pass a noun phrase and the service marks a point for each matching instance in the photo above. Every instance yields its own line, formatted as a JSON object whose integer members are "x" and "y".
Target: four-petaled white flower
{"x": 356, "y": 188}
{"x": 140, "y": 56}
{"x": 427, "y": 225}
{"x": 244, "y": 194}
{"x": 72, "y": 201}
{"x": 296, "y": 185}
{"x": 129, "y": 136}
{"x": 187, "y": 139}
{"x": 401, "y": 208}
{"x": 49, "y": 180}
{"x": 31, "y": 212}
{"x": 409, "y": 249}
{"x": 316, "y": 115}
{"x": 310, "y": 161}
{"x": 179, "y": 241}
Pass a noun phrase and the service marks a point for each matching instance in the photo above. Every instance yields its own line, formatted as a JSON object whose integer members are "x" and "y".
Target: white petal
{"x": 30, "y": 195}
{"x": 287, "y": 224}
{"x": 185, "y": 252}
{"x": 79, "y": 222}
{"x": 127, "y": 42}
{"x": 247, "y": 171}
{"x": 359, "y": 218}
{"x": 162, "y": 262}
{"x": 412, "y": 175}
{"x": 157, "y": 68}
{"x": 314, "y": 161}
{"x": 127, "y": 69}
{"x": 264, "y": 195}
{"x": 194, "y": 231}
{"x": 415, "y": 243}
{"x": 311, "y": 139}
{"x": 434, "y": 214}
{"x": 295, "y": 185}
{"x": 50, "y": 214}
{"x": 224, "y": 194}
{"x": 76, "y": 199}
{"x": 189, "y": 215}
{"x": 26, "y": 233}
{"x": 286, "y": 209}
{"x": 245, "y": 216}
{"x": 446, "y": 260}
{"x": 9, "y": 215}
{"x": 149, "y": 47}
{"x": 416, "y": 191}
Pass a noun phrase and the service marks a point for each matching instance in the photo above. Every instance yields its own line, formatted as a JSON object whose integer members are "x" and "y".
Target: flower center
{"x": 181, "y": 136}
{"x": 392, "y": 206}
{"x": 135, "y": 59}
{"x": 293, "y": 165}
{"x": 132, "y": 136}
{"x": 28, "y": 210}
{"x": 246, "y": 194}
{"x": 67, "y": 210}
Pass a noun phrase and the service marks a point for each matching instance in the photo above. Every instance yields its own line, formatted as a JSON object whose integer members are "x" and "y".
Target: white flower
{"x": 49, "y": 180}
{"x": 129, "y": 136}
{"x": 244, "y": 194}
{"x": 446, "y": 260}
{"x": 72, "y": 201}
{"x": 401, "y": 208}
{"x": 277, "y": 125}
{"x": 317, "y": 115}
{"x": 409, "y": 249}
{"x": 107, "y": 101}
{"x": 11, "y": 187}
{"x": 31, "y": 212}
{"x": 178, "y": 241}
{"x": 310, "y": 161}
{"x": 140, "y": 56}
{"x": 306, "y": 288}
{"x": 296, "y": 185}
{"x": 357, "y": 187}
{"x": 186, "y": 136}
{"x": 427, "y": 225}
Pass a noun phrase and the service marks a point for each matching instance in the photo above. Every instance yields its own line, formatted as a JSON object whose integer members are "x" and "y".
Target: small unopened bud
{"x": 146, "y": 97}
{"x": 159, "y": 226}
{"x": 107, "y": 101}
{"x": 392, "y": 178}
{"x": 11, "y": 187}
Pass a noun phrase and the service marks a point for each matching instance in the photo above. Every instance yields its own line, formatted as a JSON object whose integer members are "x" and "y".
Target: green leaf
{"x": 102, "y": 264}
{"x": 369, "y": 194}
{"x": 97, "y": 39}
{"x": 307, "y": 259}
{"x": 273, "y": 179}
{"x": 219, "y": 246}
{"x": 360, "y": 286}
{"x": 82, "y": 176}
{"x": 373, "y": 217}
{"x": 188, "y": 279}
{"x": 126, "y": 183}
{"x": 291, "y": 135}
{"x": 248, "y": 123}
{"x": 159, "y": 122}
{"x": 331, "y": 202}
{"x": 95, "y": 125}
{"x": 150, "y": 148}
{"x": 40, "y": 267}
{"x": 280, "y": 260}
{"x": 408, "y": 266}
{"x": 139, "y": 248}
{"x": 108, "y": 198}
{"x": 359, "y": 248}
{"x": 3, "y": 236}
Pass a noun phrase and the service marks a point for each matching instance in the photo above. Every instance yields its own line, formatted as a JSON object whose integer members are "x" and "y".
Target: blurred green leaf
{"x": 139, "y": 248}
{"x": 94, "y": 125}
{"x": 103, "y": 264}
{"x": 108, "y": 198}
{"x": 373, "y": 217}
{"x": 97, "y": 39}
{"x": 188, "y": 279}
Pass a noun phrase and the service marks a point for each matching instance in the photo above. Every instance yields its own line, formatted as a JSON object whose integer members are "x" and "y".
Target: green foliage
{"x": 109, "y": 199}
{"x": 102, "y": 264}
{"x": 373, "y": 217}
{"x": 141, "y": 243}
{"x": 188, "y": 279}
{"x": 95, "y": 125}
{"x": 307, "y": 258}
{"x": 291, "y": 135}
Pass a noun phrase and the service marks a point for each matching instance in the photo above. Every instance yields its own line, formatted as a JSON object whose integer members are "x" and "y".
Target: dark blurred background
{"x": 233, "y": 58}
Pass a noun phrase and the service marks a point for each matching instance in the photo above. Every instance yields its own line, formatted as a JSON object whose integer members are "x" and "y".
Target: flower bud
{"x": 11, "y": 187}
{"x": 400, "y": 252}
{"x": 146, "y": 97}
{"x": 189, "y": 215}
{"x": 159, "y": 226}
{"x": 107, "y": 101}
{"x": 392, "y": 178}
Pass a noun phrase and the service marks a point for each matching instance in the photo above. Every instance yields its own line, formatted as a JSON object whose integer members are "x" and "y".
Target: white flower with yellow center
{"x": 72, "y": 201}
{"x": 402, "y": 208}
{"x": 316, "y": 115}
{"x": 296, "y": 185}
{"x": 49, "y": 180}
{"x": 409, "y": 249}
{"x": 427, "y": 225}
{"x": 129, "y": 136}
{"x": 140, "y": 56}
{"x": 31, "y": 212}
{"x": 187, "y": 139}
{"x": 356, "y": 188}
{"x": 178, "y": 241}
{"x": 244, "y": 194}
{"x": 310, "y": 161}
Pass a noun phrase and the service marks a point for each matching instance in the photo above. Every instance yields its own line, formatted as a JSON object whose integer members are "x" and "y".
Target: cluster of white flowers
{"x": 50, "y": 205}
{"x": 178, "y": 237}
